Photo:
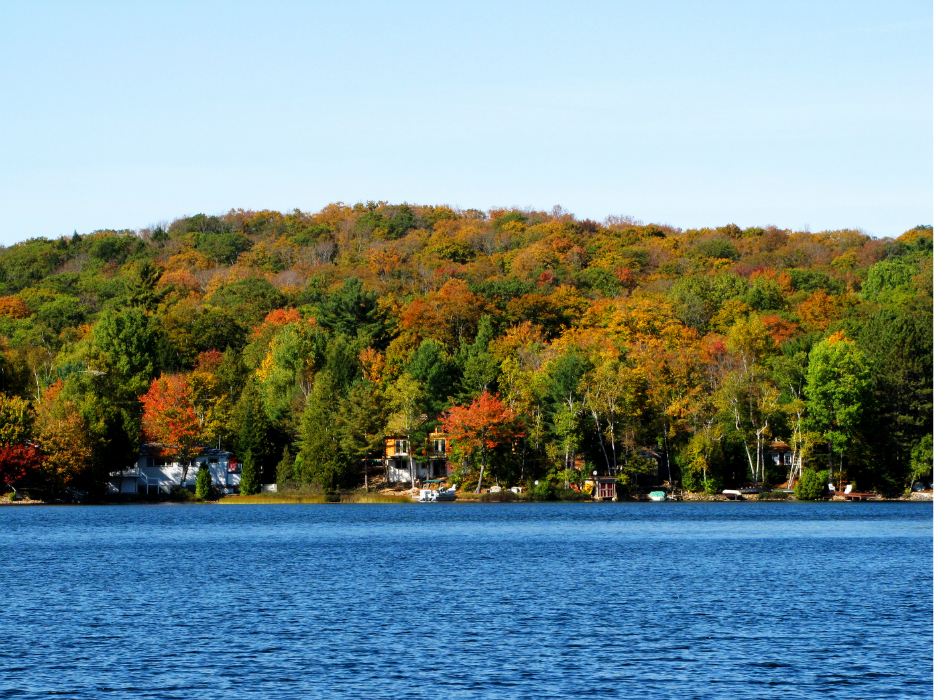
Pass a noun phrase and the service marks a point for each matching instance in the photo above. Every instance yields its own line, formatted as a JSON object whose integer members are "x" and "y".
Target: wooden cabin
{"x": 605, "y": 488}
{"x": 432, "y": 464}
{"x": 779, "y": 453}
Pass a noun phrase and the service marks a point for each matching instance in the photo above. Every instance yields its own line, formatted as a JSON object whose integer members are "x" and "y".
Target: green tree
{"x": 355, "y": 313}
{"x": 837, "y": 391}
{"x": 120, "y": 360}
{"x": 319, "y": 459}
{"x": 285, "y": 470}
{"x": 203, "y": 483}
{"x": 16, "y": 420}
{"x": 811, "y": 486}
{"x": 252, "y": 427}
{"x": 747, "y": 392}
{"x": 481, "y": 368}
{"x": 406, "y": 398}
{"x": 362, "y": 424}
{"x": 922, "y": 457}
{"x": 249, "y": 478}
{"x": 141, "y": 287}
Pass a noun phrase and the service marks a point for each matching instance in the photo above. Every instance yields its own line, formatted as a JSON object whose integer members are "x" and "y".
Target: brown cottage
{"x": 432, "y": 464}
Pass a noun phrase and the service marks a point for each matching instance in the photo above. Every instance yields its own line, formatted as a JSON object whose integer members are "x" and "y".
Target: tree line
{"x": 545, "y": 346}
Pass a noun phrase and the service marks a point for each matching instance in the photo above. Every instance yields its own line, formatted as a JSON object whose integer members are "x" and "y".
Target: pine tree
{"x": 253, "y": 434}
{"x": 203, "y": 483}
{"x": 320, "y": 460}
{"x": 285, "y": 470}
{"x": 249, "y": 479}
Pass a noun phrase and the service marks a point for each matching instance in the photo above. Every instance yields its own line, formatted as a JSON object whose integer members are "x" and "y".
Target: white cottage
{"x": 156, "y": 471}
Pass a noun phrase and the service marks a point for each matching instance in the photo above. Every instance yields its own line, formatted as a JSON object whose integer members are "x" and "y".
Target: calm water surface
{"x": 676, "y": 600}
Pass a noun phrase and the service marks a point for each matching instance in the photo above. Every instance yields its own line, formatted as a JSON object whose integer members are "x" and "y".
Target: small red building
{"x": 604, "y": 488}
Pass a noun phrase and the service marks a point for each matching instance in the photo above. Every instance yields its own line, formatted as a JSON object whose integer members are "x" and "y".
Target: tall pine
{"x": 249, "y": 479}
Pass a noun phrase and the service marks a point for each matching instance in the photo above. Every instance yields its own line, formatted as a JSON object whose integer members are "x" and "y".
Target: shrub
{"x": 182, "y": 495}
{"x": 500, "y": 497}
{"x": 203, "y": 483}
{"x": 545, "y": 491}
{"x": 811, "y": 486}
{"x": 624, "y": 485}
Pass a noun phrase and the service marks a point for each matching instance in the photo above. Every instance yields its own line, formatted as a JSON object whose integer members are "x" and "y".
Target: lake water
{"x": 648, "y": 600}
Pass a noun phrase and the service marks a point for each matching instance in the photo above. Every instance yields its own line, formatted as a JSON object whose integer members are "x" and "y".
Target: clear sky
{"x": 122, "y": 114}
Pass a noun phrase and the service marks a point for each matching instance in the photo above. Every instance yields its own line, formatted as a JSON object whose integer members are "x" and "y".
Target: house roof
{"x": 155, "y": 449}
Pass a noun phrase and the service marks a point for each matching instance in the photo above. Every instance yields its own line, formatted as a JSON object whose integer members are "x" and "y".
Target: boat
{"x": 658, "y": 496}
{"x": 432, "y": 496}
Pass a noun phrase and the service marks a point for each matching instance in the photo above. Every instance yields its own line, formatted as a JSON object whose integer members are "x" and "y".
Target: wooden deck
{"x": 853, "y": 496}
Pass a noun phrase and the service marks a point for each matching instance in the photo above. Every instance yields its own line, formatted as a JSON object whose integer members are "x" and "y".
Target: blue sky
{"x": 119, "y": 115}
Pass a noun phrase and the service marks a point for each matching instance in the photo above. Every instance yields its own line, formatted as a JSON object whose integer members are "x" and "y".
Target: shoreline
{"x": 404, "y": 500}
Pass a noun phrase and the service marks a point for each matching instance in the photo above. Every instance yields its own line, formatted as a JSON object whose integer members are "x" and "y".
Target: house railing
{"x": 155, "y": 482}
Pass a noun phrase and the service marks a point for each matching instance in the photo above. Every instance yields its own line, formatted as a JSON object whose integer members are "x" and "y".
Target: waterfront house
{"x": 779, "y": 453}
{"x": 157, "y": 470}
{"x": 432, "y": 465}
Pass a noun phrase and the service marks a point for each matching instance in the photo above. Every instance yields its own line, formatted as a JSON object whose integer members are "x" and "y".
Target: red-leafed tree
{"x": 481, "y": 426}
{"x": 169, "y": 418}
{"x": 16, "y": 461}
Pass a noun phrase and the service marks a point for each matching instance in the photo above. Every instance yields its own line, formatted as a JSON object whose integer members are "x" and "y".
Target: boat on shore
{"x": 433, "y": 496}
{"x": 658, "y": 496}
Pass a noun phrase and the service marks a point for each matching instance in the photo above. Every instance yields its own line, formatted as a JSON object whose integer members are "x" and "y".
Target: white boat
{"x": 658, "y": 496}
{"x": 432, "y": 496}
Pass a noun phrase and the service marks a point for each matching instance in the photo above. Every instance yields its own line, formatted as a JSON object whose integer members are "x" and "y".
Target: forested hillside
{"x": 302, "y": 339}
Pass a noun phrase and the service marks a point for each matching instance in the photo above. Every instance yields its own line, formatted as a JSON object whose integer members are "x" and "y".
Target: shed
{"x": 605, "y": 488}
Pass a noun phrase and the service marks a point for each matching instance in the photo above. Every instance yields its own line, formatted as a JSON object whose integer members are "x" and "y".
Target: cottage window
{"x": 440, "y": 447}
{"x": 402, "y": 447}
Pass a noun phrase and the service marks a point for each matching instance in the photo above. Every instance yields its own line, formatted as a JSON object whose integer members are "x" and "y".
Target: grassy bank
{"x": 287, "y": 497}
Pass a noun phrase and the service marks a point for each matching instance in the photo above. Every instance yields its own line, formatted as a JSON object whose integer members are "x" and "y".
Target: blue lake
{"x": 653, "y": 600}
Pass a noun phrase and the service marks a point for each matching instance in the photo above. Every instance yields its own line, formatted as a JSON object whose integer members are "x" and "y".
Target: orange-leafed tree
{"x": 169, "y": 418}
{"x": 13, "y": 307}
{"x": 448, "y": 315}
{"x": 480, "y": 427}
{"x": 62, "y": 436}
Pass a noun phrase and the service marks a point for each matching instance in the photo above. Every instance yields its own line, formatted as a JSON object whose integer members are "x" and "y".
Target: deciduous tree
{"x": 169, "y": 418}
{"x": 480, "y": 427}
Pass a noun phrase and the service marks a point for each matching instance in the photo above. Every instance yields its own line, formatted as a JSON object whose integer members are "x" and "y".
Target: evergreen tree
{"x": 320, "y": 460}
{"x": 285, "y": 470}
{"x": 253, "y": 434}
{"x": 811, "y": 486}
{"x": 203, "y": 483}
{"x": 249, "y": 478}
{"x": 481, "y": 368}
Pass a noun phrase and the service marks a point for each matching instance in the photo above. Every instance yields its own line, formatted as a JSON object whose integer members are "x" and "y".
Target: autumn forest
{"x": 545, "y": 347}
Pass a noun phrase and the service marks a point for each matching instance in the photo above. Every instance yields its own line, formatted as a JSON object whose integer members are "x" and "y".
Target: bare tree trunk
{"x": 600, "y": 437}
{"x": 482, "y": 468}
{"x": 830, "y": 461}
{"x": 749, "y": 459}
{"x": 667, "y": 457}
